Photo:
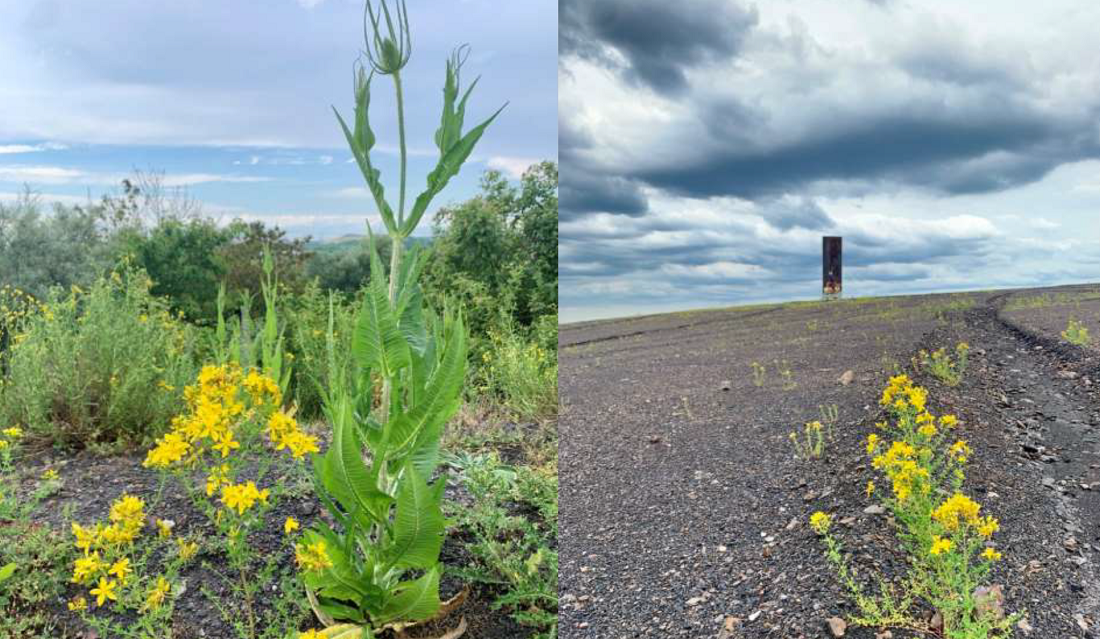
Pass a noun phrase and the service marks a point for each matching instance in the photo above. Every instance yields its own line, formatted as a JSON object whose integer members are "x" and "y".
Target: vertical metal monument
{"x": 830, "y": 267}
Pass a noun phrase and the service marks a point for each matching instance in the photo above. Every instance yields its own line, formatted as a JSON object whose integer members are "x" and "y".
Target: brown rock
{"x": 837, "y": 626}
{"x": 989, "y": 601}
{"x": 847, "y": 378}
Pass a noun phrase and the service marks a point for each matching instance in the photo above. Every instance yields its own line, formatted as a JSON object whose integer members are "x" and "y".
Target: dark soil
{"x": 91, "y": 483}
{"x": 684, "y": 510}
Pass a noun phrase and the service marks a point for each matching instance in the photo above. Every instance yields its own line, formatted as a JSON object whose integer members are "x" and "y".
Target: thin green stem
{"x": 401, "y": 141}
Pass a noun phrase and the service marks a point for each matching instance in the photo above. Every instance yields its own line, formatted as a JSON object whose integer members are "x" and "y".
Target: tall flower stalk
{"x": 388, "y": 515}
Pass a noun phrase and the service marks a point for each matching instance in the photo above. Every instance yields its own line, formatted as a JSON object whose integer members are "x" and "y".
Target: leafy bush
{"x": 38, "y": 251}
{"x": 521, "y": 373}
{"x": 101, "y": 366}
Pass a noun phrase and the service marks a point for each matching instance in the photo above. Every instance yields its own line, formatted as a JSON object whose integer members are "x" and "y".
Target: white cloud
{"x": 6, "y": 149}
{"x": 510, "y": 165}
{"x": 60, "y": 175}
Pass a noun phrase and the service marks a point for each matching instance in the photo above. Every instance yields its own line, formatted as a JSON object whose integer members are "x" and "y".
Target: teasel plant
{"x": 378, "y": 567}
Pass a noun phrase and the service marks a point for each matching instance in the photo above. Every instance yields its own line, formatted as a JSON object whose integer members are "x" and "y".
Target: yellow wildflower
{"x": 940, "y": 545}
{"x": 120, "y": 569}
{"x": 870, "y": 490}
{"x": 819, "y": 521}
{"x": 957, "y": 508}
{"x": 187, "y": 550}
{"x": 313, "y": 556}
{"x": 991, "y": 555}
{"x": 77, "y": 604}
{"x": 310, "y": 634}
{"x": 157, "y": 594}
{"x": 104, "y": 591}
{"x": 290, "y": 526}
{"x": 987, "y": 526}
{"x": 164, "y": 528}
{"x": 85, "y": 568}
{"x": 872, "y": 443}
{"x": 225, "y": 444}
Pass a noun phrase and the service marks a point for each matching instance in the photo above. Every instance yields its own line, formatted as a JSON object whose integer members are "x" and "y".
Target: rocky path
{"x": 683, "y": 508}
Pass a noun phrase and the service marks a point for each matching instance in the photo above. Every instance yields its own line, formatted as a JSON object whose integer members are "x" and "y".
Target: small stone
{"x": 695, "y": 601}
{"x": 756, "y": 615}
{"x": 989, "y": 601}
{"x": 874, "y": 509}
{"x": 885, "y": 634}
{"x": 846, "y": 379}
{"x": 1067, "y": 374}
{"x": 837, "y": 626}
{"x": 1080, "y": 619}
{"x": 1024, "y": 626}
{"x": 726, "y": 384}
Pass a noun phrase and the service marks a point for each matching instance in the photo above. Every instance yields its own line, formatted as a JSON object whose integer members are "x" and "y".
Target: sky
{"x": 232, "y": 101}
{"x": 707, "y": 146}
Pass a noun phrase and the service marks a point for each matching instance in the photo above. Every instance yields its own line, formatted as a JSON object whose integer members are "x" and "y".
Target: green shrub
{"x": 310, "y": 314}
{"x": 521, "y": 372}
{"x": 101, "y": 366}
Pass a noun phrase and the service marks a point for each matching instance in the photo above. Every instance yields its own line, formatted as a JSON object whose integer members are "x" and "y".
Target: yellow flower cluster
{"x": 222, "y": 402}
{"x": 10, "y": 436}
{"x": 902, "y": 465}
{"x": 908, "y": 463}
{"x": 111, "y": 568}
{"x": 243, "y": 496}
{"x": 819, "y": 521}
{"x": 312, "y": 556}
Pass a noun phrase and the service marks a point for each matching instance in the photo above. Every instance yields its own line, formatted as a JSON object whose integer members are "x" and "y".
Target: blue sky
{"x": 707, "y": 146}
{"x": 231, "y": 100}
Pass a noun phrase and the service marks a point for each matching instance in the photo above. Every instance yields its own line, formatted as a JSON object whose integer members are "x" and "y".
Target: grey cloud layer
{"x": 765, "y": 124}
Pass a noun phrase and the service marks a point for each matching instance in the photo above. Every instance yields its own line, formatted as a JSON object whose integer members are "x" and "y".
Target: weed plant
{"x": 948, "y": 541}
{"x": 1076, "y": 333}
{"x": 949, "y": 370}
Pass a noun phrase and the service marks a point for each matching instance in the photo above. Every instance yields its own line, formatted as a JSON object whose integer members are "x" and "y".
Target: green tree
{"x": 182, "y": 258}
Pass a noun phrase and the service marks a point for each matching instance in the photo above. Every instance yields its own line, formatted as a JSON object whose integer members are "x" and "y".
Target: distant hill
{"x": 351, "y": 242}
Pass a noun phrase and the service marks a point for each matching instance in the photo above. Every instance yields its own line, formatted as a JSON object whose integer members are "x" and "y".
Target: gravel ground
{"x": 683, "y": 508}
{"x": 91, "y": 483}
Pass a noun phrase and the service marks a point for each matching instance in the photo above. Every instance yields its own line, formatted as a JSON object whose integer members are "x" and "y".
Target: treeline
{"x": 495, "y": 255}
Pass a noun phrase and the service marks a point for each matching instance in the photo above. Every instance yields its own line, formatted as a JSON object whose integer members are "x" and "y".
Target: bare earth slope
{"x": 683, "y": 509}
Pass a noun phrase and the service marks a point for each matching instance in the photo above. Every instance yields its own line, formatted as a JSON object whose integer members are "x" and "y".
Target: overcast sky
{"x": 706, "y": 146}
{"x": 232, "y": 99}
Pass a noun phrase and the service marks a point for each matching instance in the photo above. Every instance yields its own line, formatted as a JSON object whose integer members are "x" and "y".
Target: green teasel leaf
{"x": 360, "y": 149}
{"x": 359, "y": 486}
{"x": 7, "y": 571}
{"x": 342, "y": 579}
{"x": 445, "y": 393}
{"x": 410, "y": 303}
{"x": 418, "y": 524}
{"x": 416, "y": 428}
{"x": 378, "y": 343}
{"x": 450, "y": 161}
{"x": 341, "y": 611}
{"x": 414, "y": 600}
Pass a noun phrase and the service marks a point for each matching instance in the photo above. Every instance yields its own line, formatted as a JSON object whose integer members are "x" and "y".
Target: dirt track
{"x": 683, "y": 508}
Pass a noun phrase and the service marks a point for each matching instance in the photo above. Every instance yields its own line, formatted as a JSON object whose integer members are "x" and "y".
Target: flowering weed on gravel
{"x": 1076, "y": 333}
{"x": 948, "y": 540}
{"x": 942, "y": 366}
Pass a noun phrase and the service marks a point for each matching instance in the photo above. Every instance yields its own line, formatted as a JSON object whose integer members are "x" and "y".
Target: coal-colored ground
{"x": 683, "y": 508}
{"x": 91, "y": 483}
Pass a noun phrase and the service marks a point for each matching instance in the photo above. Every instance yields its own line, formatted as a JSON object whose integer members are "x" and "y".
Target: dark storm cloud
{"x": 657, "y": 39}
{"x": 936, "y": 152}
{"x": 581, "y": 193}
